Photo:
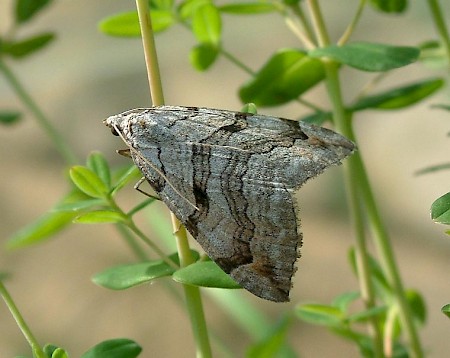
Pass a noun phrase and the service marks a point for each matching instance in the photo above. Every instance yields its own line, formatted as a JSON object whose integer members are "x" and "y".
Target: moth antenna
{"x": 153, "y": 167}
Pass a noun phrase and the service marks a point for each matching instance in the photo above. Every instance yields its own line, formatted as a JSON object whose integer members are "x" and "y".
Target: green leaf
{"x": 126, "y": 276}
{"x": 100, "y": 217}
{"x": 10, "y": 117}
{"x": 433, "y": 168}
{"x": 417, "y": 304}
{"x": 446, "y": 310}
{"x": 127, "y": 24}
{"x": 318, "y": 118}
{"x": 270, "y": 346}
{"x": 206, "y": 24}
{"x": 19, "y": 49}
{"x": 26, "y": 9}
{"x": 390, "y": 6}
{"x": 187, "y": 8}
{"x": 370, "y": 57}
{"x": 141, "y": 206}
{"x": 440, "y": 209}
{"x": 320, "y": 314}
{"x": 433, "y": 54}
{"x": 204, "y": 274}
{"x": 367, "y": 314}
{"x": 203, "y": 56}
{"x": 88, "y": 182}
{"x": 44, "y": 227}
{"x": 124, "y": 176}
{"x": 161, "y": 4}
{"x": 98, "y": 164}
{"x": 399, "y": 97}
{"x": 248, "y": 8}
{"x": 249, "y": 108}
{"x": 80, "y": 205}
{"x": 344, "y": 300}
{"x": 114, "y": 348}
{"x": 53, "y": 351}
{"x": 60, "y": 353}
{"x": 286, "y": 75}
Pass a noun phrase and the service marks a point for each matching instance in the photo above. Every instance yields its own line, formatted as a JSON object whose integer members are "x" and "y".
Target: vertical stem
{"x": 192, "y": 294}
{"x": 37, "y": 350}
{"x": 358, "y": 181}
{"x": 352, "y": 177}
{"x": 151, "y": 58}
{"x": 58, "y": 141}
{"x": 439, "y": 22}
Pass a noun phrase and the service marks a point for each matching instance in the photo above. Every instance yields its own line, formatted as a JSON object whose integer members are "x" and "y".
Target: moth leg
{"x": 136, "y": 186}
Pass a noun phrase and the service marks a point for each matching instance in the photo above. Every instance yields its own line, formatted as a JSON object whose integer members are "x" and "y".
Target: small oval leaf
{"x": 26, "y": 9}
{"x": 399, "y": 97}
{"x": 114, "y": 348}
{"x": 44, "y": 227}
{"x": 248, "y": 8}
{"x": 126, "y": 276}
{"x": 390, "y": 6}
{"x": 203, "y": 56}
{"x": 320, "y": 314}
{"x": 100, "y": 217}
{"x": 79, "y": 205}
{"x": 368, "y": 56}
{"x": 206, "y": 24}
{"x": 286, "y": 75}
{"x": 127, "y": 24}
{"x": 26, "y": 47}
{"x": 446, "y": 310}
{"x": 88, "y": 182}
{"x": 98, "y": 164}
{"x": 204, "y": 274}
{"x": 10, "y": 117}
{"x": 417, "y": 304}
{"x": 440, "y": 209}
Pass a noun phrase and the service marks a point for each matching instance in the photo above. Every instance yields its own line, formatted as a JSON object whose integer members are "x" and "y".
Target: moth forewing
{"x": 235, "y": 193}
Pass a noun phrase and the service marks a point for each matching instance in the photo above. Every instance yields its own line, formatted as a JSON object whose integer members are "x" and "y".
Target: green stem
{"x": 36, "y": 348}
{"x": 382, "y": 242}
{"x": 305, "y": 35}
{"x": 352, "y": 178}
{"x": 46, "y": 125}
{"x": 132, "y": 243}
{"x": 192, "y": 294}
{"x": 237, "y": 62}
{"x": 151, "y": 57}
{"x": 439, "y": 21}
{"x": 359, "y": 182}
{"x": 351, "y": 27}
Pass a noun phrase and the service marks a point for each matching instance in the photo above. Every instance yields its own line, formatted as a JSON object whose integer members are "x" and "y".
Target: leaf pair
{"x": 290, "y": 73}
{"x": 200, "y": 273}
{"x": 94, "y": 189}
{"x": 112, "y": 348}
{"x": 338, "y": 316}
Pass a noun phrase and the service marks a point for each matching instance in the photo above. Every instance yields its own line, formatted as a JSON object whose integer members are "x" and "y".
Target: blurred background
{"x": 85, "y": 76}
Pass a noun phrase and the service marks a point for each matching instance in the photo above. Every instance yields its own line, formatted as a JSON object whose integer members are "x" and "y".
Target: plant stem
{"x": 132, "y": 242}
{"x": 352, "y": 177}
{"x": 36, "y": 348}
{"x": 439, "y": 21}
{"x": 60, "y": 144}
{"x": 349, "y": 30}
{"x": 358, "y": 181}
{"x": 192, "y": 294}
{"x": 382, "y": 242}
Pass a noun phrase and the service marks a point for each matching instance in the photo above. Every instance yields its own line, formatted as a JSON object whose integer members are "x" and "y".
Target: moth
{"x": 230, "y": 178}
